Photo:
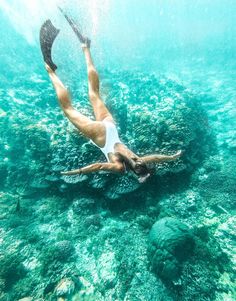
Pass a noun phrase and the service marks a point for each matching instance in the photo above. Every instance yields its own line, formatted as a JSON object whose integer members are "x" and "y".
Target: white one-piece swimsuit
{"x": 112, "y": 138}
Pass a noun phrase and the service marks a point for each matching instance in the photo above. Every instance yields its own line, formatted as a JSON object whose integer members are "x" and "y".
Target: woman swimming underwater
{"x": 103, "y": 131}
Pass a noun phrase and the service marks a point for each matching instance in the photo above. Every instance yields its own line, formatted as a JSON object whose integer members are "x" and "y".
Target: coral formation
{"x": 11, "y": 270}
{"x": 170, "y": 244}
{"x": 64, "y": 289}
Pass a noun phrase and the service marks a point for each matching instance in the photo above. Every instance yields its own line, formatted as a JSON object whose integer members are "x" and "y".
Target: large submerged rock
{"x": 170, "y": 244}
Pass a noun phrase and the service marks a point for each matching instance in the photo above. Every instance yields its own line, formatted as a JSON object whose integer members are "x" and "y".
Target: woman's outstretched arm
{"x": 157, "y": 158}
{"x": 112, "y": 167}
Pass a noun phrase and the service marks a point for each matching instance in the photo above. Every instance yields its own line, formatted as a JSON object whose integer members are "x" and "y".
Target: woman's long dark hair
{"x": 135, "y": 165}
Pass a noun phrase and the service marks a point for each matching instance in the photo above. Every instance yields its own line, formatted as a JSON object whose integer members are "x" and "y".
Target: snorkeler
{"x": 103, "y": 131}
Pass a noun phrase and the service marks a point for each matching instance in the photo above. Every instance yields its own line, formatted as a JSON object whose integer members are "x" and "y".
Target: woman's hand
{"x": 71, "y": 173}
{"x": 177, "y": 155}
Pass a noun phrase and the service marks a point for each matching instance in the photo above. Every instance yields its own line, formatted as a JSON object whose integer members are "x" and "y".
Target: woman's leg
{"x": 91, "y": 129}
{"x": 100, "y": 110}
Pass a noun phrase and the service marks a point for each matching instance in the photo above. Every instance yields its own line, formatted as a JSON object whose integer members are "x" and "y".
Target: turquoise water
{"x": 167, "y": 72}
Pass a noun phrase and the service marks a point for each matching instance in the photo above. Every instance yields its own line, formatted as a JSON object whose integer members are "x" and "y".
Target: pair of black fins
{"x": 48, "y": 34}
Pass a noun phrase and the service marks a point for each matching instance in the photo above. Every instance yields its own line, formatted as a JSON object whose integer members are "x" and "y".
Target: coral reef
{"x": 87, "y": 238}
{"x": 175, "y": 121}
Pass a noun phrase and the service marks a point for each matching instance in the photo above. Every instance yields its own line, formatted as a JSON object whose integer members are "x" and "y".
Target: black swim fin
{"x": 74, "y": 26}
{"x": 48, "y": 34}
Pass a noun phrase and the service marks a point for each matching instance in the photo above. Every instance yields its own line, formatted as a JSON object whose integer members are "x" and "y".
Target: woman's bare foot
{"x": 86, "y": 43}
{"x": 49, "y": 70}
